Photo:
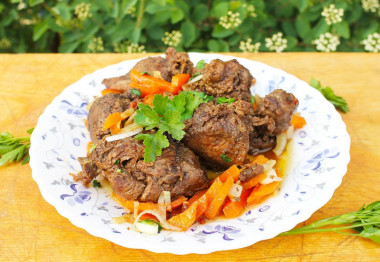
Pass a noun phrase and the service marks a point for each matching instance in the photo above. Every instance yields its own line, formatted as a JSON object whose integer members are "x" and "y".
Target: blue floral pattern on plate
{"x": 320, "y": 158}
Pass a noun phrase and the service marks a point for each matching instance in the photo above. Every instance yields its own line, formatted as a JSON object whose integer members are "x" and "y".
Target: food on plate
{"x": 180, "y": 144}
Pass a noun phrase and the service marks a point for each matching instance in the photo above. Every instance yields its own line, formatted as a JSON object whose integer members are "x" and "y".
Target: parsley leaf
{"x": 167, "y": 115}
{"x": 252, "y": 100}
{"x": 96, "y": 183}
{"x": 14, "y": 149}
{"x": 194, "y": 76}
{"x": 200, "y": 64}
{"x": 136, "y": 91}
{"x": 225, "y": 158}
{"x": 144, "y": 73}
{"x": 154, "y": 143}
{"x": 338, "y": 101}
{"x": 223, "y": 100}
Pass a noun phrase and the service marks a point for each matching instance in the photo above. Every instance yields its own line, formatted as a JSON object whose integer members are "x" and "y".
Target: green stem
{"x": 141, "y": 14}
{"x": 334, "y": 229}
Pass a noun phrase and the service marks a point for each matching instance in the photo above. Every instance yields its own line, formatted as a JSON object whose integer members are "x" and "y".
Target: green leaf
{"x": 176, "y": 15}
{"x": 292, "y": 42}
{"x": 220, "y": 32}
{"x": 155, "y": 8}
{"x": 302, "y": 27}
{"x": 372, "y": 233}
{"x": 225, "y": 158}
{"x": 188, "y": 31}
{"x": 156, "y": 32}
{"x": 96, "y": 183}
{"x": 63, "y": 10}
{"x": 39, "y": 30}
{"x": 147, "y": 117}
{"x": 200, "y": 64}
{"x": 154, "y": 143}
{"x": 125, "y": 5}
{"x": 224, "y": 100}
{"x": 220, "y": 9}
{"x": 320, "y": 28}
{"x": 35, "y": 2}
{"x": 302, "y": 5}
{"x": 135, "y": 37}
{"x": 68, "y": 47}
{"x": 200, "y": 13}
{"x": 342, "y": 29}
{"x": 173, "y": 124}
{"x": 115, "y": 9}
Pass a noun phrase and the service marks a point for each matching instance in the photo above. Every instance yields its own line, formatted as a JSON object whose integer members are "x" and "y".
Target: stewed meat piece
{"x": 122, "y": 163}
{"x": 219, "y": 133}
{"x": 224, "y": 79}
{"x": 174, "y": 63}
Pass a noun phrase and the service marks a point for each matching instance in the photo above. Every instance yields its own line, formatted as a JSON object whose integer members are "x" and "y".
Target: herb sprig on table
{"x": 366, "y": 222}
{"x": 167, "y": 115}
{"x": 14, "y": 148}
{"x": 338, "y": 101}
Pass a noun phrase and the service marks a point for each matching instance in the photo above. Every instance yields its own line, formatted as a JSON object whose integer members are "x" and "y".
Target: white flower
{"x": 4, "y": 43}
{"x": 231, "y": 20}
{"x": 173, "y": 38}
{"x": 96, "y": 45}
{"x": 332, "y": 15}
{"x": 276, "y": 43}
{"x": 128, "y": 47}
{"x": 372, "y": 43}
{"x": 251, "y": 10}
{"x": 370, "y": 5}
{"x": 249, "y": 47}
{"x": 327, "y": 42}
{"x": 82, "y": 11}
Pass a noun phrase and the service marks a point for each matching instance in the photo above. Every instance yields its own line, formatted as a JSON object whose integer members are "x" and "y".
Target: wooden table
{"x": 31, "y": 229}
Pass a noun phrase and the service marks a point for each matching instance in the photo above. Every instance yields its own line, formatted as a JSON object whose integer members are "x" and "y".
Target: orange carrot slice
{"x": 213, "y": 190}
{"x": 267, "y": 189}
{"x": 178, "y": 202}
{"x": 233, "y": 172}
{"x": 185, "y": 219}
{"x": 109, "y": 91}
{"x": 254, "y": 181}
{"x": 112, "y": 120}
{"x": 219, "y": 198}
{"x": 235, "y": 208}
{"x": 298, "y": 121}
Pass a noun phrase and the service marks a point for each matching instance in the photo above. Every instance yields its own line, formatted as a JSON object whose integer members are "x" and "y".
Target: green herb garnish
{"x": 151, "y": 222}
{"x": 225, "y": 158}
{"x": 223, "y": 100}
{"x": 135, "y": 91}
{"x": 338, "y": 101}
{"x": 252, "y": 99}
{"x": 366, "y": 221}
{"x": 194, "y": 76}
{"x": 167, "y": 115}
{"x": 144, "y": 73}
{"x": 96, "y": 183}
{"x": 14, "y": 149}
{"x": 117, "y": 162}
{"x": 92, "y": 148}
{"x": 200, "y": 64}
{"x": 118, "y": 171}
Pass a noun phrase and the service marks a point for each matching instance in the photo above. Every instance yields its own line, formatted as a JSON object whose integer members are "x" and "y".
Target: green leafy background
{"x": 112, "y": 26}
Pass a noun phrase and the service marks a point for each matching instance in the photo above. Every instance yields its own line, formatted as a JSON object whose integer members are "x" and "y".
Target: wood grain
{"x": 31, "y": 229}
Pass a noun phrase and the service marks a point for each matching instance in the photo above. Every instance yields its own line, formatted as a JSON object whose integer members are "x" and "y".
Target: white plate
{"x": 321, "y": 155}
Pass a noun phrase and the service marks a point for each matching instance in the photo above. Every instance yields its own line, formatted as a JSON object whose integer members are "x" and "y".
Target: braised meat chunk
{"x": 122, "y": 163}
{"x": 101, "y": 108}
{"x": 272, "y": 117}
{"x": 174, "y": 63}
{"x": 219, "y": 133}
{"x": 224, "y": 79}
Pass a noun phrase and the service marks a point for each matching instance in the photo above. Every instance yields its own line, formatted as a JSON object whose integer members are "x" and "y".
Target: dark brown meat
{"x": 250, "y": 171}
{"x": 174, "y": 63}
{"x": 177, "y": 170}
{"x": 100, "y": 109}
{"x": 272, "y": 117}
{"x": 178, "y": 63}
{"x": 224, "y": 79}
{"x": 217, "y": 129}
{"x": 88, "y": 173}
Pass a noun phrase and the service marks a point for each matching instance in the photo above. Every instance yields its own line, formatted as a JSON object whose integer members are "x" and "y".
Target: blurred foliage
{"x": 218, "y": 26}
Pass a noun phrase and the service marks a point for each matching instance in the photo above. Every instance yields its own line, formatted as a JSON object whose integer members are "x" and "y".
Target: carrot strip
{"x": 213, "y": 190}
{"x": 177, "y": 82}
{"x": 178, "y": 202}
{"x": 115, "y": 128}
{"x": 233, "y": 172}
{"x": 89, "y": 145}
{"x": 196, "y": 196}
{"x": 235, "y": 208}
{"x": 254, "y": 181}
{"x": 260, "y": 159}
{"x": 149, "y": 216}
{"x": 109, "y": 91}
{"x": 112, "y": 120}
{"x": 185, "y": 219}
{"x": 148, "y": 99}
{"x": 298, "y": 121}
{"x": 219, "y": 198}
{"x": 260, "y": 192}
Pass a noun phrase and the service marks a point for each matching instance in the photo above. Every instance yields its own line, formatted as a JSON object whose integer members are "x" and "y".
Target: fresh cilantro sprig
{"x": 13, "y": 148}
{"x": 338, "y": 101}
{"x": 224, "y": 100}
{"x": 225, "y": 158}
{"x": 200, "y": 64}
{"x": 167, "y": 115}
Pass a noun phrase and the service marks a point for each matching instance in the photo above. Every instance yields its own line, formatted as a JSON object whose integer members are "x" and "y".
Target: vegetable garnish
{"x": 338, "y": 101}
{"x": 200, "y": 64}
{"x": 366, "y": 221}
{"x": 14, "y": 149}
{"x": 96, "y": 183}
{"x": 225, "y": 158}
{"x": 136, "y": 91}
{"x": 168, "y": 116}
{"x": 223, "y": 100}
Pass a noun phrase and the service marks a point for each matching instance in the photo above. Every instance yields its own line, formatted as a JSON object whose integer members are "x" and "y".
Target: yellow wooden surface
{"x": 32, "y": 230}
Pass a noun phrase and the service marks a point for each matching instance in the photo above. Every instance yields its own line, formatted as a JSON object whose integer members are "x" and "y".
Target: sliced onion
{"x": 124, "y": 135}
{"x": 235, "y": 191}
{"x": 135, "y": 208}
{"x": 269, "y": 165}
{"x": 162, "y": 221}
{"x": 271, "y": 177}
{"x": 142, "y": 226}
{"x": 195, "y": 79}
{"x": 131, "y": 118}
{"x": 290, "y": 132}
{"x": 129, "y": 128}
{"x": 281, "y": 143}
{"x": 127, "y": 113}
